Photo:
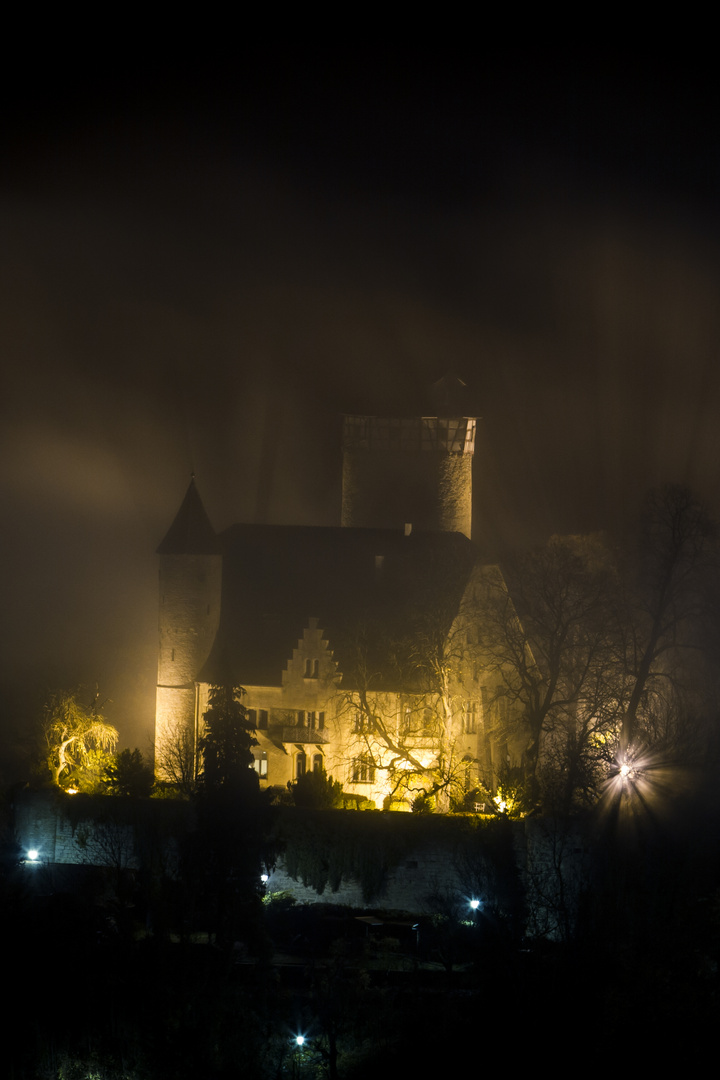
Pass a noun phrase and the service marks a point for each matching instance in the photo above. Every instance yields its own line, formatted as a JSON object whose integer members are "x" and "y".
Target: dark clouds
{"x": 205, "y": 272}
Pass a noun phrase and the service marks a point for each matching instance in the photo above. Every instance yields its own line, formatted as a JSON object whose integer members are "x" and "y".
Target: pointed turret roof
{"x": 191, "y": 532}
{"x": 449, "y": 396}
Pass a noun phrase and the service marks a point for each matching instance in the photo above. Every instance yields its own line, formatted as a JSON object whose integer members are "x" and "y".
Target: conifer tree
{"x": 227, "y": 742}
{"x": 226, "y": 858}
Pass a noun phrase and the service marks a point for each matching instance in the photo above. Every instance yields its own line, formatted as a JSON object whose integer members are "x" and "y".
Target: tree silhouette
{"x": 667, "y": 601}
{"x": 128, "y": 774}
{"x": 550, "y": 635}
{"x": 227, "y": 741}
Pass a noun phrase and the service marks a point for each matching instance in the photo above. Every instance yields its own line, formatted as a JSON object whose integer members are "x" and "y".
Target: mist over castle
{"x": 323, "y": 627}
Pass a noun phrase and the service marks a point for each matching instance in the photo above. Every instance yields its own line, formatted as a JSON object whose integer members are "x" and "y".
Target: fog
{"x": 205, "y": 273}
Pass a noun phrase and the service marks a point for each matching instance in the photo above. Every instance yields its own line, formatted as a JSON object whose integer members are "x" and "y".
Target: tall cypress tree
{"x": 226, "y": 745}
{"x": 227, "y": 858}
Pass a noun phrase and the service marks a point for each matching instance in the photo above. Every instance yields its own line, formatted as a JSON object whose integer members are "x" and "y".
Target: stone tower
{"x": 416, "y": 470}
{"x": 190, "y": 588}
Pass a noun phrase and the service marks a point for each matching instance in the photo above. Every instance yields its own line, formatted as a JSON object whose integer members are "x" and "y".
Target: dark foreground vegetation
{"x": 141, "y": 975}
{"x": 597, "y": 935}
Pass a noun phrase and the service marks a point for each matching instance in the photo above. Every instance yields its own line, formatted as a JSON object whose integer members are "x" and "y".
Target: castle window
{"x": 312, "y": 669}
{"x": 300, "y": 765}
{"x": 315, "y": 721}
{"x": 317, "y": 763}
{"x": 251, "y": 715}
{"x": 260, "y": 764}
{"x": 363, "y": 724}
{"x": 262, "y": 719}
{"x": 428, "y": 718}
{"x": 469, "y": 720}
{"x": 363, "y": 771}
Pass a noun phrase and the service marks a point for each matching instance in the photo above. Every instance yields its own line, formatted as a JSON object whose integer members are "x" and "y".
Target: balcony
{"x": 302, "y": 735}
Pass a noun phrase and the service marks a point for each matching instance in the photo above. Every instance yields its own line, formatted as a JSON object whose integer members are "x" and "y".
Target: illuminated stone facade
{"x": 358, "y": 646}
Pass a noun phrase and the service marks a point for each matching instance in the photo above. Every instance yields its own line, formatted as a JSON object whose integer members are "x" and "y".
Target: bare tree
{"x": 403, "y": 736}
{"x": 666, "y": 603}
{"x": 176, "y": 759}
{"x": 550, "y": 638}
{"x": 408, "y": 699}
{"x": 575, "y": 656}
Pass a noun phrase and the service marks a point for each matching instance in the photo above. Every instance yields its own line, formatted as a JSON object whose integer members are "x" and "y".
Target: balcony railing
{"x": 302, "y": 735}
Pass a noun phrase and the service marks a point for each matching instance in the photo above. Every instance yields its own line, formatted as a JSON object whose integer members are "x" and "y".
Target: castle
{"x": 357, "y": 646}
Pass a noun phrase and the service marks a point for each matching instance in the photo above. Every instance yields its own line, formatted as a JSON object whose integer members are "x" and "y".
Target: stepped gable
{"x": 374, "y": 583}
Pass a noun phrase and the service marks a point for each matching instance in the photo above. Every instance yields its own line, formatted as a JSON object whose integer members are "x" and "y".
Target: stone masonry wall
{"x": 428, "y": 863}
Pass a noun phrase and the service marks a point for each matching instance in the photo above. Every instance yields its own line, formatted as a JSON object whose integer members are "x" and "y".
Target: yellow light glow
{"x": 505, "y": 802}
{"x": 642, "y": 785}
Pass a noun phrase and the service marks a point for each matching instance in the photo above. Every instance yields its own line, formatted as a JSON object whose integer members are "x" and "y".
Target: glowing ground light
{"x": 299, "y": 1040}
{"x": 643, "y": 786}
{"x": 628, "y": 773}
{"x": 474, "y": 904}
{"x": 33, "y": 854}
{"x": 626, "y": 781}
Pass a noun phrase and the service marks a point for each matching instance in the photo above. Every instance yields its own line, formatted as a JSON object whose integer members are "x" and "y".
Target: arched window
{"x": 317, "y": 763}
{"x": 300, "y": 765}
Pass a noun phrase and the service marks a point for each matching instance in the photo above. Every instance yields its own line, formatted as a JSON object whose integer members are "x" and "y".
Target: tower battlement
{"x": 417, "y": 470}
{"x": 455, "y": 435}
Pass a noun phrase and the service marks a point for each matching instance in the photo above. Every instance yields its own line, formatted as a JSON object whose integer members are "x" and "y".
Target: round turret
{"x": 189, "y": 614}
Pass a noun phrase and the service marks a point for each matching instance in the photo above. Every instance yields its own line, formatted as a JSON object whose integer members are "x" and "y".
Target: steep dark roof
{"x": 191, "y": 532}
{"x": 374, "y": 585}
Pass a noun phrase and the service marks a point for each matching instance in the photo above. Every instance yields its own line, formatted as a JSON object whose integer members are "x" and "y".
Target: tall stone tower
{"x": 415, "y": 470}
{"x": 190, "y": 590}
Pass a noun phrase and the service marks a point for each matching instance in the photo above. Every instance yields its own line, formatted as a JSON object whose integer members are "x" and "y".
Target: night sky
{"x": 204, "y": 268}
